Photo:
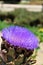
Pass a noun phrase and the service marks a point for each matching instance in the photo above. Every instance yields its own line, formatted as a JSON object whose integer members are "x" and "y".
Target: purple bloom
{"x": 20, "y": 36}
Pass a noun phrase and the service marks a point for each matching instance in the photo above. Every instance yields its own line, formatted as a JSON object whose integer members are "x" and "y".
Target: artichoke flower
{"x": 21, "y": 39}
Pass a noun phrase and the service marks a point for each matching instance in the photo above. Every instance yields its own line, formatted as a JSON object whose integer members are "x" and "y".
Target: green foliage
{"x": 3, "y": 24}
{"x": 3, "y": 13}
{"x": 41, "y": 18}
{"x": 22, "y": 16}
{"x": 40, "y": 35}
